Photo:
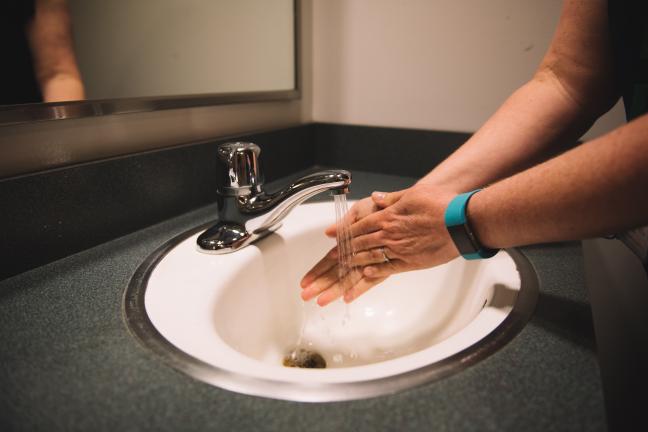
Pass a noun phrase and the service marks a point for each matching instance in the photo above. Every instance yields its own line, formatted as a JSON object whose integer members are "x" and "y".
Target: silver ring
{"x": 385, "y": 257}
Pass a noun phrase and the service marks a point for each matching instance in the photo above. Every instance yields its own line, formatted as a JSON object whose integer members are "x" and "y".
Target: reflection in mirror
{"x": 40, "y": 61}
{"x": 68, "y": 50}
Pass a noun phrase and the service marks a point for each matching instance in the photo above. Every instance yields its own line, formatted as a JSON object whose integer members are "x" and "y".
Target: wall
{"x": 431, "y": 64}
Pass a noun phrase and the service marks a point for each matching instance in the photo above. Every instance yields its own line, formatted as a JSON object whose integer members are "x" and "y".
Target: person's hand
{"x": 323, "y": 277}
{"x": 410, "y": 232}
{"x": 404, "y": 231}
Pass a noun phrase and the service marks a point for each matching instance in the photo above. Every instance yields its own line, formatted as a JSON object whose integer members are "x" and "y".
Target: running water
{"x": 345, "y": 249}
{"x": 347, "y": 273}
{"x": 303, "y": 356}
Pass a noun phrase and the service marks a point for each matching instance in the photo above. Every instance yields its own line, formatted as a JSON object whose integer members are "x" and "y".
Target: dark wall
{"x": 49, "y": 215}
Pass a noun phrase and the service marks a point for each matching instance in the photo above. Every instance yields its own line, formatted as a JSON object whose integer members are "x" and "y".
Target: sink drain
{"x": 303, "y": 358}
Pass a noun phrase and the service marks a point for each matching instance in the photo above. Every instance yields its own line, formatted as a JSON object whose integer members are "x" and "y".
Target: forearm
{"x": 51, "y": 41}
{"x": 595, "y": 189}
{"x": 573, "y": 86}
{"x": 536, "y": 122}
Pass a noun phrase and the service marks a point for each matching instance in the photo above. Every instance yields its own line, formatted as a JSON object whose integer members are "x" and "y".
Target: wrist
{"x": 477, "y": 215}
{"x": 461, "y": 230}
{"x": 449, "y": 185}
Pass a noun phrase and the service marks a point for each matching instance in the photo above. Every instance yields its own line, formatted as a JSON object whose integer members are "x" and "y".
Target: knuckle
{"x": 391, "y": 225}
{"x": 360, "y": 245}
{"x": 384, "y": 237}
{"x": 388, "y": 222}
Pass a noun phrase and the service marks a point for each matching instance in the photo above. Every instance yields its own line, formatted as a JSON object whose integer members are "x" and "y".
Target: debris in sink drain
{"x": 303, "y": 358}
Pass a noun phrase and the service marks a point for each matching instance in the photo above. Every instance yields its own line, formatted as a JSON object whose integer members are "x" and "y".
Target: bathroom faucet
{"x": 246, "y": 213}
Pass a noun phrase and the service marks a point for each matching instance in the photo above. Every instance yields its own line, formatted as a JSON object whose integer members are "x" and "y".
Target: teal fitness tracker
{"x": 460, "y": 231}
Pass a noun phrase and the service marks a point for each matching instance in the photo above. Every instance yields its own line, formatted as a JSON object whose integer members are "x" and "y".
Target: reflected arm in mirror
{"x": 51, "y": 42}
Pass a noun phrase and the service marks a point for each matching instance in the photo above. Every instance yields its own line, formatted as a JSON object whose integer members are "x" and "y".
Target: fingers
{"x": 355, "y": 282}
{"x": 367, "y": 242}
{"x": 361, "y": 287}
{"x": 359, "y": 210}
{"x": 383, "y": 199}
{"x": 319, "y": 284}
{"x": 384, "y": 269}
{"x": 330, "y": 295}
{"x": 322, "y": 266}
{"x": 349, "y": 218}
{"x": 329, "y": 287}
{"x": 369, "y": 224}
{"x": 368, "y": 257}
{"x": 331, "y": 230}
{"x": 356, "y": 211}
{"x": 366, "y": 218}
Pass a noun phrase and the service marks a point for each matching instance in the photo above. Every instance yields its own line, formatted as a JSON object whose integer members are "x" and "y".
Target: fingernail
{"x": 348, "y": 298}
{"x": 379, "y": 195}
{"x": 369, "y": 271}
{"x": 321, "y": 302}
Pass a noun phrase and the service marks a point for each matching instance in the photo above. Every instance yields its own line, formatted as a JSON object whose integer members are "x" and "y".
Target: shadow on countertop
{"x": 568, "y": 319}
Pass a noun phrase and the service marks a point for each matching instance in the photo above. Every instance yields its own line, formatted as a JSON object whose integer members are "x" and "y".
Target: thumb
{"x": 385, "y": 199}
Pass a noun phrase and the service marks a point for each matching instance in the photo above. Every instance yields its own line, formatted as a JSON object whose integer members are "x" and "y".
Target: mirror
{"x": 76, "y": 58}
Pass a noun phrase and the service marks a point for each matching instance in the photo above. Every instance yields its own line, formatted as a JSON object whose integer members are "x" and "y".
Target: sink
{"x": 231, "y": 319}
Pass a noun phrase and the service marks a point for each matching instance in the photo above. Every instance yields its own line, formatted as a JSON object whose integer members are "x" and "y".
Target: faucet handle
{"x": 242, "y": 168}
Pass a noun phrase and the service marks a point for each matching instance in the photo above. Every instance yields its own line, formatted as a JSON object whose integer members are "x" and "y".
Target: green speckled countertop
{"x": 67, "y": 361}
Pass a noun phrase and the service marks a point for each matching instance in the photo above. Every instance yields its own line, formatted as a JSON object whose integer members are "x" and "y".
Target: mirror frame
{"x": 36, "y": 112}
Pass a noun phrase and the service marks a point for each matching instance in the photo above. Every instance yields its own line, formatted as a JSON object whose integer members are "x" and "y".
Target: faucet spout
{"x": 278, "y": 205}
{"x": 246, "y": 212}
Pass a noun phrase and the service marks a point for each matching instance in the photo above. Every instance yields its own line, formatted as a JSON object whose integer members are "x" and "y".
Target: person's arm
{"x": 52, "y": 47}
{"x": 595, "y": 189}
{"x": 598, "y": 188}
{"x": 572, "y": 87}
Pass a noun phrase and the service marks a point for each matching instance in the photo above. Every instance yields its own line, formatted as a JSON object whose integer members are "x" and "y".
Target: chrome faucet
{"x": 246, "y": 213}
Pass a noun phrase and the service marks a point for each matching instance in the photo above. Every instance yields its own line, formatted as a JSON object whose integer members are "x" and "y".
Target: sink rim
{"x": 142, "y": 329}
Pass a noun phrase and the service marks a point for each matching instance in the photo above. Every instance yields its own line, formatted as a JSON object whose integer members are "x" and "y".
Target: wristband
{"x": 460, "y": 231}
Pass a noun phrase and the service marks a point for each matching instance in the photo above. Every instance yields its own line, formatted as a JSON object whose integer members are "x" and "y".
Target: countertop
{"x": 68, "y": 362}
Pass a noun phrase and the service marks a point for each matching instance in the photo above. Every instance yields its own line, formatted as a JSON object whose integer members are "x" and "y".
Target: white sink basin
{"x": 231, "y": 319}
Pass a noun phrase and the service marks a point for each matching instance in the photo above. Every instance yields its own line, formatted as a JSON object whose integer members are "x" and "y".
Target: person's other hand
{"x": 323, "y": 277}
{"x": 409, "y": 230}
{"x": 407, "y": 227}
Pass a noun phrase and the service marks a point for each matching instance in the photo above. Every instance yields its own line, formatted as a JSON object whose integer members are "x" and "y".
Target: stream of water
{"x": 302, "y": 356}
{"x": 345, "y": 249}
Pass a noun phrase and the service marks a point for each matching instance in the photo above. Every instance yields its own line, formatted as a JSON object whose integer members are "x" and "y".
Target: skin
{"x": 52, "y": 47}
{"x": 541, "y": 187}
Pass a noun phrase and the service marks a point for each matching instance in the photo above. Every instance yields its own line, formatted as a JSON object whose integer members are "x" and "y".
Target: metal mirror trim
{"x": 36, "y": 112}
